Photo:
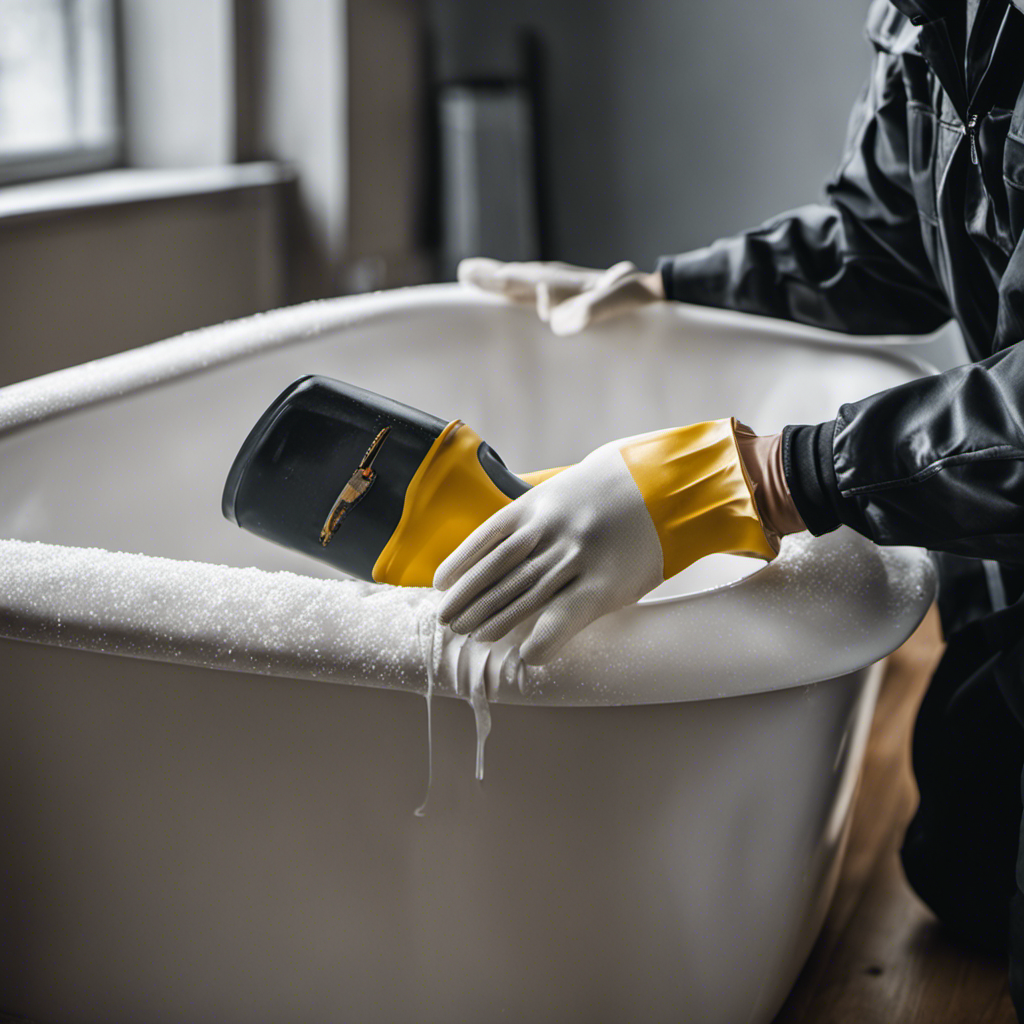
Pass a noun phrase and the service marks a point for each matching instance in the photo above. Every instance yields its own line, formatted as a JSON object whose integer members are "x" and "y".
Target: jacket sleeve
{"x": 937, "y": 463}
{"x": 856, "y": 263}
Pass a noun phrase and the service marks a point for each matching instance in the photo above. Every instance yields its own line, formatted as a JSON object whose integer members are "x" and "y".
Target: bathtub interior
{"x": 144, "y": 472}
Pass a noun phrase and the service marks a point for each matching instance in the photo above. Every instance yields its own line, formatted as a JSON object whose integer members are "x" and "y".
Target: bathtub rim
{"x": 63, "y": 392}
{"x": 859, "y": 676}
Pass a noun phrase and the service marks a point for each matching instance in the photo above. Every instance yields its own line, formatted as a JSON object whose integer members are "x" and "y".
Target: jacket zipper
{"x": 971, "y": 131}
{"x": 971, "y": 127}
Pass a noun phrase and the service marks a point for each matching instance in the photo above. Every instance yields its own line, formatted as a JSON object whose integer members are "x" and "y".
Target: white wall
{"x": 333, "y": 88}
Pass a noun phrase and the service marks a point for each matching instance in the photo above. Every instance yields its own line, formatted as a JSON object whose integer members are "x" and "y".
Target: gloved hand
{"x": 566, "y": 297}
{"x": 599, "y": 535}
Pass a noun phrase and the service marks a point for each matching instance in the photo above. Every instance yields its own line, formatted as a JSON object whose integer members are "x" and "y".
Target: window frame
{"x": 83, "y": 158}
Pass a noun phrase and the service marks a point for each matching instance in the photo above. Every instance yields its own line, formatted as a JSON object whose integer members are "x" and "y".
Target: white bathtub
{"x": 664, "y": 809}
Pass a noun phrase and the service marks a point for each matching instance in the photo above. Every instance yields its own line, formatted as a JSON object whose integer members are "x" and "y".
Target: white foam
{"x": 824, "y": 607}
{"x": 273, "y": 623}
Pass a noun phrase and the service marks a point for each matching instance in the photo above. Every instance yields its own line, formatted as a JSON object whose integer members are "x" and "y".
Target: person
{"x": 922, "y": 222}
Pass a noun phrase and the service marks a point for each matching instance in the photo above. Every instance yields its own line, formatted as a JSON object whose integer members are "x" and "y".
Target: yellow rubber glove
{"x": 599, "y": 535}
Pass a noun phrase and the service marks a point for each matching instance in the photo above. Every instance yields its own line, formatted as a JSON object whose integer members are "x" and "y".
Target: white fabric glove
{"x": 599, "y": 535}
{"x": 568, "y": 298}
{"x": 574, "y": 548}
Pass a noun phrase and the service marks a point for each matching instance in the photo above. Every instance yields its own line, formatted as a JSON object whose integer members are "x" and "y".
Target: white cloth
{"x": 566, "y": 297}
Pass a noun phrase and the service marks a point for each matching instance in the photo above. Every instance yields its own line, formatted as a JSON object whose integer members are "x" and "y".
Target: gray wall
{"x": 80, "y": 284}
{"x": 384, "y": 142}
{"x": 673, "y": 122}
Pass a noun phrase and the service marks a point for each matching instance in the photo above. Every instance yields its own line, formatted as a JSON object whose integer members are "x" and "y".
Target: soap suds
{"x": 273, "y": 623}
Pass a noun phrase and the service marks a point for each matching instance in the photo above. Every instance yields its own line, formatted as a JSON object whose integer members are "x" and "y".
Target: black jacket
{"x": 923, "y": 222}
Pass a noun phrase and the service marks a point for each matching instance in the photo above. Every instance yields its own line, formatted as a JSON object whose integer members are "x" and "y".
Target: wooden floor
{"x": 881, "y": 957}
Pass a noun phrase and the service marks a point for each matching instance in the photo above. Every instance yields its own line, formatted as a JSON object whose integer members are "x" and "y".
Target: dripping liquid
{"x": 477, "y": 700}
{"x": 482, "y": 714}
{"x": 421, "y": 811}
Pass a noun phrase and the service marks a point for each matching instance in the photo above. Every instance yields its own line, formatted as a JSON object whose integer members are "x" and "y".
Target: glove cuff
{"x": 449, "y": 495}
{"x": 697, "y": 493}
{"x": 762, "y": 459}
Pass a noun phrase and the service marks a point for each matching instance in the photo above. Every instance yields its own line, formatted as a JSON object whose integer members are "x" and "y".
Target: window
{"x": 58, "y": 88}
